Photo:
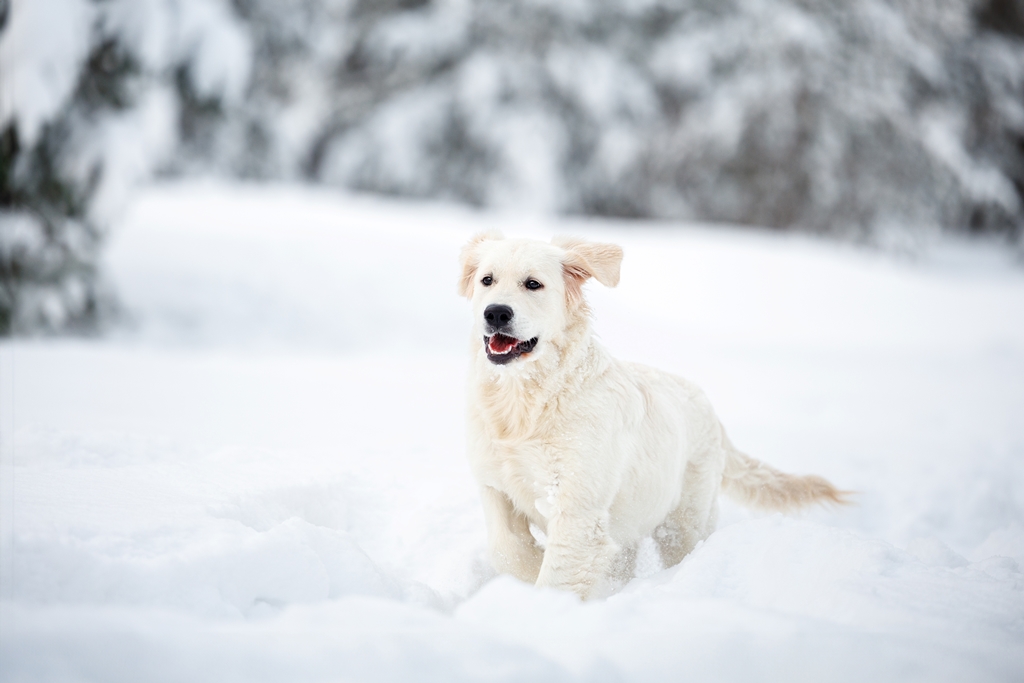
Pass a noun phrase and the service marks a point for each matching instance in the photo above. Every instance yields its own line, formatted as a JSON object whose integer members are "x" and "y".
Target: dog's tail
{"x": 761, "y": 486}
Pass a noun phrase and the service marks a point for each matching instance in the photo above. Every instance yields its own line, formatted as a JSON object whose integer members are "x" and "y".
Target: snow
{"x": 40, "y": 54}
{"x": 261, "y": 477}
{"x": 127, "y": 146}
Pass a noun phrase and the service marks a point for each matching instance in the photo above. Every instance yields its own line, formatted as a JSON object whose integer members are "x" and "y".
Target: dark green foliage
{"x": 198, "y": 115}
{"x": 49, "y": 245}
{"x": 47, "y": 254}
{"x": 107, "y": 79}
{"x": 1002, "y": 16}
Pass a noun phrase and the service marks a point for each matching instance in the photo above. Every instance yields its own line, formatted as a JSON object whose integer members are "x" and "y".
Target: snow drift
{"x": 222, "y": 492}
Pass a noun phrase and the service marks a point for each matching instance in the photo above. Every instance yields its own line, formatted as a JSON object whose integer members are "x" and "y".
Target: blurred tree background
{"x": 881, "y": 121}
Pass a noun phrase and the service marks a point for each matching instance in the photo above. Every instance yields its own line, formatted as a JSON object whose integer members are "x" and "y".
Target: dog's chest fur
{"x": 525, "y": 434}
{"x": 524, "y": 467}
{"x": 529, "y": 474}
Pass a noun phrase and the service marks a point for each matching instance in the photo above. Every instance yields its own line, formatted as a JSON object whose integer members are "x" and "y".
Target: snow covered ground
{"x": 261, "y": 477}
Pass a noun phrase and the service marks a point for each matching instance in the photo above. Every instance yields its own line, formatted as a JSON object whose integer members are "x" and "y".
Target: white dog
{"x": 596, "y": 452}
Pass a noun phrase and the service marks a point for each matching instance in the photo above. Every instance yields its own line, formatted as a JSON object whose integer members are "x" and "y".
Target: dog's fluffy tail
{"x": 761, "y": 486}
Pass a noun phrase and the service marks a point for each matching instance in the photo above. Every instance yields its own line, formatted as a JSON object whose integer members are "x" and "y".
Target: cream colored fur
{"x": 596, "y": 452}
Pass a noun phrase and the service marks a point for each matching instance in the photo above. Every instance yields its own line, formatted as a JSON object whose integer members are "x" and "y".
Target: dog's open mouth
{"x": 502, "y": 349}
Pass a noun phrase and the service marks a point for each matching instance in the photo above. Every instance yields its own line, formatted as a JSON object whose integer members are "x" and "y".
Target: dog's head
{"x": 526, "y": 293}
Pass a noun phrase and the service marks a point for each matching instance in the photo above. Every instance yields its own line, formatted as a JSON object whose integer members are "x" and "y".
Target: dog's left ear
{"x": 584, "y": 260}
{"x": 469, "y": 260}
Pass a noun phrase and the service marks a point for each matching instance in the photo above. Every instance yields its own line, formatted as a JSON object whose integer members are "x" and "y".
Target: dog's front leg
{"x": 512, "y": 546}
{"x": 579, "y": 553}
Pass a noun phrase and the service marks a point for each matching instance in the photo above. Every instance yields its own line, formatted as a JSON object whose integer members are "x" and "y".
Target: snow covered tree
{"x": 48, "y": 242}
{"x": 872, "y": 118}
{"x": 92, "y": 95}
{"x": 878, "y": 120}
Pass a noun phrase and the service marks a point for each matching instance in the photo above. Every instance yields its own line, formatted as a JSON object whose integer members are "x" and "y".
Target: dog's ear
{"x": 469, "y": 259}
{"x": 584, "y": 260}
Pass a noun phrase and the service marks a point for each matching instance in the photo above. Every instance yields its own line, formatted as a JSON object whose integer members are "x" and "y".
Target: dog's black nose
{"x": 497, "y": 316}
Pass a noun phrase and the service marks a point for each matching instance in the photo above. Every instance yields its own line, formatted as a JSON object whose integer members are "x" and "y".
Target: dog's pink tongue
{"x": 499, "y": 343}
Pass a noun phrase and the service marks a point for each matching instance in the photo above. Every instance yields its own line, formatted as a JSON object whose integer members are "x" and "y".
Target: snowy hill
{"x": 262, "y": 477}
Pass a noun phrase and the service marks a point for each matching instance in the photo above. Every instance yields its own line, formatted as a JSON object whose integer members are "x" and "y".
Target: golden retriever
{"x": 596, "y": 452}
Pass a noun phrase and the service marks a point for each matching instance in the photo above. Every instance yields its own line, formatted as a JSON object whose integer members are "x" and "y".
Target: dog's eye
{"x": 487, "y": 281}
{"x": 533, "y": 284}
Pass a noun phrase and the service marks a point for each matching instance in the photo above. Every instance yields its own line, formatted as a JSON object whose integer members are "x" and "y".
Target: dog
{"x": 597, "y": 453}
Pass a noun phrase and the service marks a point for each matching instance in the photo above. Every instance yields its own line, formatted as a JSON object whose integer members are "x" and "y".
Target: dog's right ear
{"x": 469, "y": 260}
